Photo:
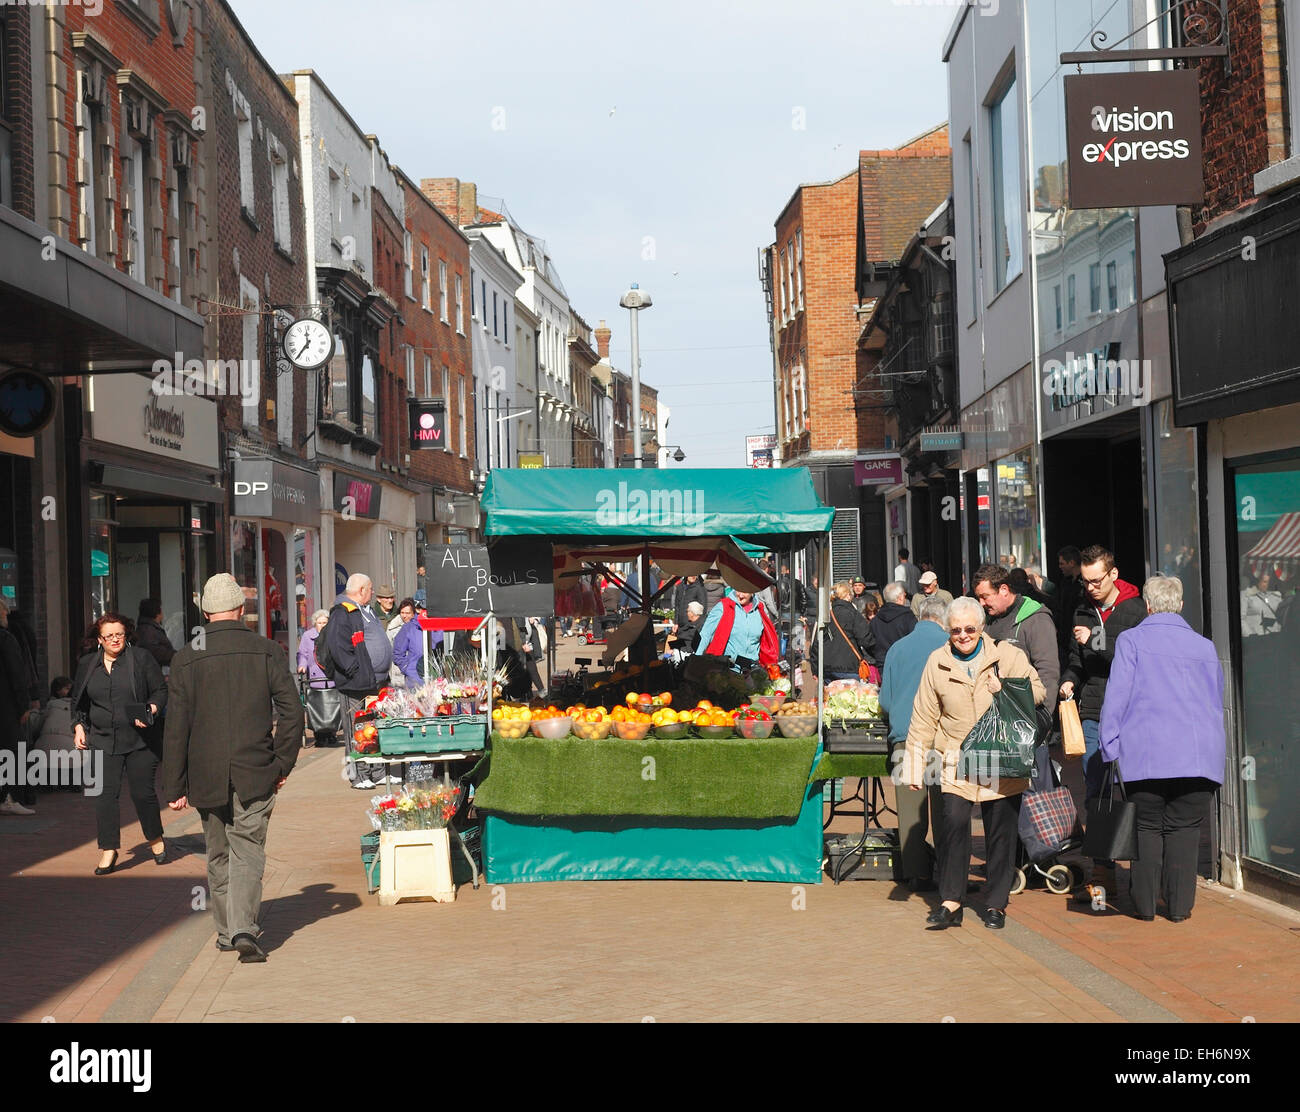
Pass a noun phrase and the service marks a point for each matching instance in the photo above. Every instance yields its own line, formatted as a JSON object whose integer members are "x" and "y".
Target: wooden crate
{"x": 415, "y": 865}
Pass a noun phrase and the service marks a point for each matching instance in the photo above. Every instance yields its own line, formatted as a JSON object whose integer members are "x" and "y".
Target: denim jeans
{"x": 1093, "y": 766}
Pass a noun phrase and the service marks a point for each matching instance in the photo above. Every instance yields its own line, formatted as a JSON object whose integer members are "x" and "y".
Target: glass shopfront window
{"x": 243, "y": 566}
{"x": 306, "y": 575}
{"x": 275, "y": 570}
{"x": 1016, "y": 513}
{"x": 1178, "y": 498}
{"x": 1267, "y": 551}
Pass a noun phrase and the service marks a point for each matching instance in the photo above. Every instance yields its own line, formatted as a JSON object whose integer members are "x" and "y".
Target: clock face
{"x": 308, "y": 344}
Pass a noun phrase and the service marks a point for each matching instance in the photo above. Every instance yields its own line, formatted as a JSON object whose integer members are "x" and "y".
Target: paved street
{"x": 130, "y": 947}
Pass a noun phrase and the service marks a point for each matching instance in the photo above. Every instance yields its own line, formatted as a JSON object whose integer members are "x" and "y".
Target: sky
{"x": 654, "y": 144}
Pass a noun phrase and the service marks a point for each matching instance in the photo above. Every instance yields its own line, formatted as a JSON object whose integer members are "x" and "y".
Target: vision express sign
{"x": 1134, "y": 139}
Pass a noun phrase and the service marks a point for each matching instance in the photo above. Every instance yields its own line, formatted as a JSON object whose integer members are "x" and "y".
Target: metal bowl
{"x": 797, "y": 725}
{"x": 673, "y": 730}
{"x": 552, "y": 729}
{"x": 632, "y": 731}
{"x": 715, "y": 732}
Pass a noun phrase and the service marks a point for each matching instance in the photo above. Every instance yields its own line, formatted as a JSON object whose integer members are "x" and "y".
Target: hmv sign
{"x": 428, "y": 421}
{"x": 1134, "y": 139}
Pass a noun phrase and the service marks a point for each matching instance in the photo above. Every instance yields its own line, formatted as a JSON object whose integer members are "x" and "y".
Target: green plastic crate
{"x": 432, "y": 735}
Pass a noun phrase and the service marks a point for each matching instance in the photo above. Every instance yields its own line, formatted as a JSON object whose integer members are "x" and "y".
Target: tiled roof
{"x": 900, "y": 189}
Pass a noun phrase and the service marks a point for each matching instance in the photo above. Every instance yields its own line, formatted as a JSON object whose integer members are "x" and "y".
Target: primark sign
{"x": 1134, "y": 139}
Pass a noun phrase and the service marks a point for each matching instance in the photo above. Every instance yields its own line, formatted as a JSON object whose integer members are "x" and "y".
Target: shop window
{"x": 306, "y": 575}
{"x": 243, "y": 566}
{"x": 1017, "y": 512}
{"x": 1266, "y": 499}
{"x": 1004, "y": 131}
{"x": 1094, "y": 288}
{"x": 1178, "y": 498}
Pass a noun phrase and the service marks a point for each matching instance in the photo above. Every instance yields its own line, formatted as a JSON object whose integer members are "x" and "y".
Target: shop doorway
{"x": 162, "y": 552}
{"x": 1093, "y": 495}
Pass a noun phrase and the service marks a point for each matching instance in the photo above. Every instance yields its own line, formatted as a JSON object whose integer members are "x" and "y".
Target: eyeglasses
{"x": 1098, "y": 582}
{"x": 112, "y": 636}
{"x": 967, "y": 631}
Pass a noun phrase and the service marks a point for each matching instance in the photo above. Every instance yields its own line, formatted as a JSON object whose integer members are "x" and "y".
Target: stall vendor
{"x": 740, "y": 628}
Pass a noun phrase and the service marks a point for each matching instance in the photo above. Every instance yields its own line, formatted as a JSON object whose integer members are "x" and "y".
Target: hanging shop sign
{"x": 26, "y": 402}
{"x": 880, "y": 471}
{"x": 942, "y": 441}
{"x": 428, "y": 423}
{"x": 1134, "y": 139}
{"x": 275, "y": 491}
{"x": 531, "y": 461}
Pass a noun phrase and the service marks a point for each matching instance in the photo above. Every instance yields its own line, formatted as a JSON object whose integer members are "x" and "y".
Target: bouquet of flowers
{"x": 421, "y": 806}
{"x": 458, "y": 684}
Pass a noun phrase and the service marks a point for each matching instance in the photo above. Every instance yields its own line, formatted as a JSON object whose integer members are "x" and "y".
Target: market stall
{"x": 658, "y": 791}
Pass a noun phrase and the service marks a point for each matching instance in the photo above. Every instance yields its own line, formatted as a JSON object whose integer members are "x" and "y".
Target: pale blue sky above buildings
{"x": 652, "y": 143}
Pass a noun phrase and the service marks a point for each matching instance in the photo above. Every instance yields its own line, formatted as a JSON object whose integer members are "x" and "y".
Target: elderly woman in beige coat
{"x": 957, "y": 687}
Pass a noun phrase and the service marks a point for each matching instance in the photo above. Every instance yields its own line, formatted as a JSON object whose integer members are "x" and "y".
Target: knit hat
{"x": 221, "y": 594}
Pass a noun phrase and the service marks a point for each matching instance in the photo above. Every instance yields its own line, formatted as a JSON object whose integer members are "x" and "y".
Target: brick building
{"x": 438, "y": 359}
{"x": 588, "y": 391}
{"x": 1236, "y": 397}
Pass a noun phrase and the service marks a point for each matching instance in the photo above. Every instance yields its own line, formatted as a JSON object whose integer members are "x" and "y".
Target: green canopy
{"x": 758, "y": 505}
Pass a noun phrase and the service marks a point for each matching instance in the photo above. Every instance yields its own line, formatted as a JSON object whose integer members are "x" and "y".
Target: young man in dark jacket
{"x": 1108, "y": 607}
{"x": 893, "y": 622}
{"x": 225, "y": 753}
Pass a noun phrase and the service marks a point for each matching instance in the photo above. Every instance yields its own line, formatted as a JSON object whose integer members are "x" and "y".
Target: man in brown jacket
{"x": 223, "y": 754}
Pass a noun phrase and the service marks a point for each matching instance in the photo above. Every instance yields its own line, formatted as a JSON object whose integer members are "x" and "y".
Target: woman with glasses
{"x": 117, "y": 695}
{"x": 957, "y": 687}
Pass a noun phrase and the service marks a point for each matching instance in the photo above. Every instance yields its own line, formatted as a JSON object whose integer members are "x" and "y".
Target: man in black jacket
{"x": 223, "y": 753}
{"x": 1066, "y": 600}
{"x": 893, "y": 622}
{"x": 355, "y": 675}
{"x": 150, "y": 635}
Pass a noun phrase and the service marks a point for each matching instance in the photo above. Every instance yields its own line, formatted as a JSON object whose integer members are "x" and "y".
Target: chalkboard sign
{"x": 512, "y": 579}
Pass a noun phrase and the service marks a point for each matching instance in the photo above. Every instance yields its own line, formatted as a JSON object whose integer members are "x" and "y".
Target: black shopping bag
{"x": 325, "y": 711}
{"x": 1111, "y": 830}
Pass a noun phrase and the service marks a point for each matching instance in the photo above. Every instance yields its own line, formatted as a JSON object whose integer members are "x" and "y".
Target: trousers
{"x": 236, "y": 837}
{"x": 916, "y": 810}
{"x": 140, "y": 768}
{"x": 1001, "y": 821}
{"x": 1169, "y": 817}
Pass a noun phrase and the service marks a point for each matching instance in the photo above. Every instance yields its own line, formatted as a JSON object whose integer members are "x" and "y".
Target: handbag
{"x": 864, "y": 668}
{"x": 1071, "y": 729}
{"x": 325, "y": 710}
{"x": 1111, "y": 830}
{"x": 1001, "y": 743}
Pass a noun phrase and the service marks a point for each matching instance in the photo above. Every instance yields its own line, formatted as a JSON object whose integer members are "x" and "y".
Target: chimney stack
{"x": 468, "y": 200}
{"x": 602, "y": 341}
{"x": 444, "y": 194}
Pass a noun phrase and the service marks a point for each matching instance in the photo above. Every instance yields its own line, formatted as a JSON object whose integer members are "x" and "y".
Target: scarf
{"x": 769, "y": 646}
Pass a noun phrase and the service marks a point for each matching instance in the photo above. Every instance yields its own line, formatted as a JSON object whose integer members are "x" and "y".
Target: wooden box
{"x": 415, "y": 865}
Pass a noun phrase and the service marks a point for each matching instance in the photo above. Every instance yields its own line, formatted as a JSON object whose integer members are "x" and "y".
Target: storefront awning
{"x": 1278, "y": 549}
{"x": 71, "y": 314}
{"x": 578, "y": 504}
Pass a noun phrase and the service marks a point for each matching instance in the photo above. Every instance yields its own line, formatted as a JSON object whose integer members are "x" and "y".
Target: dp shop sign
{"x": 1134, "y": 139}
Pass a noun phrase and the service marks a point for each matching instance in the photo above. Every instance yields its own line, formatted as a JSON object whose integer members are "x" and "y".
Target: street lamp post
{"x": 634, "y": 301}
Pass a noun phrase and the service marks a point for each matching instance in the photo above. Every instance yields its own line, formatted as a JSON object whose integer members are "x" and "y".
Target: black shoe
{"x": 1180, "y": 918}
{"x": 995, "y": 919}
{"x": 160, "y": 858}
{"x": 941, "y": 918}
{"x": 104, "y": 871}
{"x": 1145, "y": 918}
{"x": 249, "y": 950}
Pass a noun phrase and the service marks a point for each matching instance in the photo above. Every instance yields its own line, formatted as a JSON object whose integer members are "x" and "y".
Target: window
{"x": 251, "y": 301}
{"x": 336, "y": 206}
{"x": 426, "y": 295}
{"x": 473, "y": 297}
{"x": 460, "y": 305}
{"x": 369, "y": 404}
{"x": 446, "y": 389}
{"x": 1069, "y": 297}
{"x": 244, "y": 123}
{"x": 1112, "y": 286}
{"x": 410, "y": 370}
{"x": 1133, "y": 272}
{"x": 408, "y": 267}
{"x": 442, "y": 291}
{"x": 1004, "y": 132}
{"x": 282, "y": 211}
{"x": 1094, "y": 288}
{"x": 358, "y": 224}
{"x": 483, "y": 302}
{"x": 1056, "y": 296}
{"x": 464, "y": 441}
{"x": 174, "y": 238}
{"x": 428, "y": 376}
{"x": 798, "y": 264}
{"x": 495, "y": 331}
{"x": 88, "y": 163}
{"x": 505, "y": 322}
{"x": 973, "y": 229}
{"x": 339, "y": 375}
{"x": 133, "y": 210}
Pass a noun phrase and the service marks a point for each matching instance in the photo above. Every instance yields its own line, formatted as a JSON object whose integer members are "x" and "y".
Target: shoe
{"x": 249, "y": 951}
{"x": 364, "y": 784}
{"x": 13, "y": 807}
{"x": 1145, "y": 918}
{"x": 995, "y": 918}
{"x": 225, "y": 947}
{"x": 941, "y": 918}
{"x": 104, "y": 871}
{"x": 1180, "y": 918}
{"x": 394, "y": 779}
{"x": 160, "y": 858}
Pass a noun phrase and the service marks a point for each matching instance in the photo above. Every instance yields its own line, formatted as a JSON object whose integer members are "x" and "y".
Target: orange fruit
{"x": 666, "y": 697}
{"x": 632, "y": 698}
{"x": 704, "y": 704}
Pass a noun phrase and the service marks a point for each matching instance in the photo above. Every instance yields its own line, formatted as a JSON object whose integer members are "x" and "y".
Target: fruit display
{"x": 365, "y": 739}
{"x": 551, "y": 727}
{"x": 797, "y": 710}
{"x": 630, "y": 730}
{"x": 770, "y": 703}
{"x": 797, "y": 719}
{"x": 591, "y": 723}
{"x": 511, "y": 721}
{"x": 755, "y": 722}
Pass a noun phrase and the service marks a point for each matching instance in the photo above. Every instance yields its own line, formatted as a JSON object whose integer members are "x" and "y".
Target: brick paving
{"x": 131, "y": 947}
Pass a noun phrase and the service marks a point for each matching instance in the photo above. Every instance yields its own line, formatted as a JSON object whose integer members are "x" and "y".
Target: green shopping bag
{"x": 1001, "y": 744}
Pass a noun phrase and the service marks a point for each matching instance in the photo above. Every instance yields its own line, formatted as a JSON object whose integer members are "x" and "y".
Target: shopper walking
{"x": 892, "y": 622}
{"x": 1068, "y": 597}
{"x": 907, "y": 573}
{"x": 362, "y": 655}
{"x": 307, "y": 664}
{"x": 957, "y": 687}
{"x": 1023, "y": 622}
{"x": 234, "y": 727}
{"x": 117, "y": 694}
{"x": 929, "y": 589}
{"x": 1110, "y": 606}
{"x": 847, "y": 638}
{"x": 150, "y": 635}
{"x": 901, "y": 681}
{"x": 1162, "y": 721}
{"x": 408, "y": 647}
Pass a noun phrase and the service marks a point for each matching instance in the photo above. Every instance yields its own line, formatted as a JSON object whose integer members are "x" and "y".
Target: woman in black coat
{"x": 841, "y": 658}
{"x": 117, "y": 695}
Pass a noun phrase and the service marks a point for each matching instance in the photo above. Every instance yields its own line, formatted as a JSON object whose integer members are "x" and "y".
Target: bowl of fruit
{"x": 592, "y": 724}
{"x": 633, "y": 729}
{"x": 551, "y": 723}
{"x": 670, "y": 724}
{"x": 754, "y": 723}
{"x": 797, "y": 719}
{"x": 511, "y": 721}
{"x": 770, "y": 703}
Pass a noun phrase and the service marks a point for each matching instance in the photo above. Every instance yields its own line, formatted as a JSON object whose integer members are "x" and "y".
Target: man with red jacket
{"x": 739, "y": 627}
{"x": 1107, "y": 608}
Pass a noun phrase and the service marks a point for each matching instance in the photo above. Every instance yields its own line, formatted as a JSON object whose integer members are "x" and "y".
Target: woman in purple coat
{"x": 307, "y": 651}
{"x": 408, "y": 645}
{"x": 1162, "y": 719}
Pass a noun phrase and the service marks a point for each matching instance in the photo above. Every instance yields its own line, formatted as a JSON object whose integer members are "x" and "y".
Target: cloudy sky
{"x": 652, "y": 143}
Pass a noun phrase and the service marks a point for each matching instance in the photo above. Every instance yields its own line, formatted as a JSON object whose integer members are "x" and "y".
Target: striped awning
{"x": 693, "y": 556}
{"x": 1278, "y": 550}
